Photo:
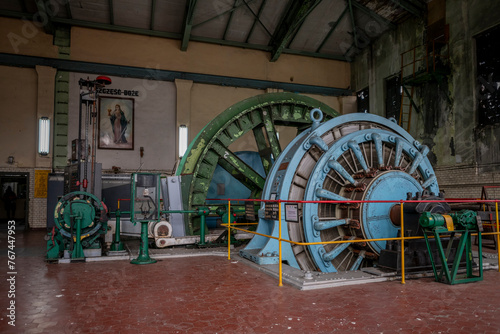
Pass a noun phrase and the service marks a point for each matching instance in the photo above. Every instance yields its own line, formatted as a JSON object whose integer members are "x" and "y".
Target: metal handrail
{"x": 425, "y": 58}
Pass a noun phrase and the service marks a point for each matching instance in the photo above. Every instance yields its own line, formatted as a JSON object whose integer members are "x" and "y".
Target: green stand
{"x": 143, "y": 257}
{"x": 117, "y": 245}
{"x": 203, "y": 212}
{"x": 77, "y": 253}
{"x": 450, "y": 275}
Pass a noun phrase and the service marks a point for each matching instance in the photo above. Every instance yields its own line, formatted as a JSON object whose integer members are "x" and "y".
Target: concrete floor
{"x": 211, "y": 294}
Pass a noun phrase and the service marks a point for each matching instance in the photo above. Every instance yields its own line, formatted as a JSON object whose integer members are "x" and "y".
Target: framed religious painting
{"x": 116, "y": 123}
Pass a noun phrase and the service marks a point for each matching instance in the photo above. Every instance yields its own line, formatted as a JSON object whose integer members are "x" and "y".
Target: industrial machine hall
{"x": 249, "y": 166}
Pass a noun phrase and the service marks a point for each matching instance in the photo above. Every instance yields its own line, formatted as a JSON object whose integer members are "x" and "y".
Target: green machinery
{"x": 255, "y": 120}
{"x": 145, "y": 208}
{"x": 80, "y": 223}
{"x": 80, "y": 217}
{"x": 458, "y": 226}
{"x": 145, "y": 204}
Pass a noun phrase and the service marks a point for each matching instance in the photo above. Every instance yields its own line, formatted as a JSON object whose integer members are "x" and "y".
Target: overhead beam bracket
{"x": 188, "y": 23}
{"x": 111, "y": 12}
{"x": 45, "y": 15}
{"x": 374, "y": 15}
{"x": 295, "y": 14}
{"x": 411, "y": 7}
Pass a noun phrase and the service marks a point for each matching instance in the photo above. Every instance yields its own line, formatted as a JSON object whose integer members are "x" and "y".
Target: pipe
{"x": 202, "y": 231}
{"x": 117, "y": 245}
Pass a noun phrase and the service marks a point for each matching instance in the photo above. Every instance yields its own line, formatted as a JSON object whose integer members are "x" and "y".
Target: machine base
{"x": 254, "y": 256}
{"x": 87, "y": 252}
{"x": 143, "y": 260}
{"x": 305, "y": 280}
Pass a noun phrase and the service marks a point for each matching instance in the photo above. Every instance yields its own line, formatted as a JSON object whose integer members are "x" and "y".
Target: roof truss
{"x": 280, "y": 36}
{"x": 295, "y": 14}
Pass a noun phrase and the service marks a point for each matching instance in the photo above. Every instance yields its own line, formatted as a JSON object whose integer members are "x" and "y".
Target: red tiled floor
{"x": 214, "y": 295}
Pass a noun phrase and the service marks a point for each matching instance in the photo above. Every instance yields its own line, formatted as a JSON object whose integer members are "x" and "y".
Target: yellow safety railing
{"x": 402, "y": 238}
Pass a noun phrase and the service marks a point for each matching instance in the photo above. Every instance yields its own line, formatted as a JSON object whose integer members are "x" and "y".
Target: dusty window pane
{"x": 393, "y": 97}
{"x": 363, "y": 101}
{"x": 488, "y": 71}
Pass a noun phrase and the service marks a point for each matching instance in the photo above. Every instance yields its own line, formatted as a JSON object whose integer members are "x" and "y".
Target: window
{"x": 363, "y": 101}
{"x": 393, "y": 97}
{"x": 488, "y": 72}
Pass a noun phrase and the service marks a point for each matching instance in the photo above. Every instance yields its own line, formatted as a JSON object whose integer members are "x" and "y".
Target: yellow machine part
{"x": 449, "y": 222}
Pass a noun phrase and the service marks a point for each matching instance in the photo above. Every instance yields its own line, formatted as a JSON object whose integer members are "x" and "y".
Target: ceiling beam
{"x": 45, "y": 16}
{"x": 229, "y": 21}
{"x": 231, "y": 43}
{"x": 295, "y": 34}
{"x": 165, "y": 75}
{"x": 411, "y": 7}
{"x": 374, "y": 15}
{"x": 23, "y": 6}
{"x": 68, "y": 10}
{"x": 152, "y": 15}
{"x": 117, "y": 28}
{"x": 257, "y": 18}
{"x": 348, "y": 54}
{"x": 16, "y": 15}
{"x": 178, "y": 36}
{"x": 111, "y": 13}
{"x": 266, "y": 48}
{"x": 295, "y": 14}
{"x": 188, "y": 24}
{"x": 332, "y": 29}
{"x": 221, "y": 14}
{"x": 314, "y": 54}
{"x": 353, "y": 24}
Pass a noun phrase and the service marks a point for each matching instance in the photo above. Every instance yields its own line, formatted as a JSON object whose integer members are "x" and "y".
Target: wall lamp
{"x": 43, "y": 135}
{"x": 183, "y": 140}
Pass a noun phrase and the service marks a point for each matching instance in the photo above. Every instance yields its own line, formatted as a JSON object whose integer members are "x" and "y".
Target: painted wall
{"x": 20, "y": 105}
{"x": 153, "y": 123}
{"x": 160, "y": 53}
{"x": 26, "y": 38}
{"x": 18, "y": 110}
{"x": 448, "y": 120}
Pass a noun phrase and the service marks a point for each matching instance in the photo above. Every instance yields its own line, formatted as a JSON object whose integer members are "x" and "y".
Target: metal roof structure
{"x": 332, "y": 29}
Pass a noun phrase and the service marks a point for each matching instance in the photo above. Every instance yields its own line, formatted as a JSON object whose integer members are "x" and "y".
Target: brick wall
{"x": 466, "y": 181}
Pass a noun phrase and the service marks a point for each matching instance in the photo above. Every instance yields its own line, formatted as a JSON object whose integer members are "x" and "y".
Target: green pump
{"x": 80, "y": 221}
{"x": 460, "y": 225}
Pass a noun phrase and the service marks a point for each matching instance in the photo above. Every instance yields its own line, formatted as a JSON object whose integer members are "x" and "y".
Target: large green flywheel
{"x": 255, "y": 117}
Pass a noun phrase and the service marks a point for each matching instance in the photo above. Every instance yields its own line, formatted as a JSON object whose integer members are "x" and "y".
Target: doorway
{"x": 14, "y": 191}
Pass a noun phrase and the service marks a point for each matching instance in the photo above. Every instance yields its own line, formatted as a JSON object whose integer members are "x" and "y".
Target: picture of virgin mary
{"x": 119, "y": 125}
{"x": 116, "y": 116}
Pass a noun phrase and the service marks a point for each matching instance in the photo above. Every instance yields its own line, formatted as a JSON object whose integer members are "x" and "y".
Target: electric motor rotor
{"x": 355, "y": 157}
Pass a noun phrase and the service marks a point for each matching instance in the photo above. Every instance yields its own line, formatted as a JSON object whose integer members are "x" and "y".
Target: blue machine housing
{"x": 351, "y": 157}
{"x": 224, "y": 185}
{"x": 231, "y": 187}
